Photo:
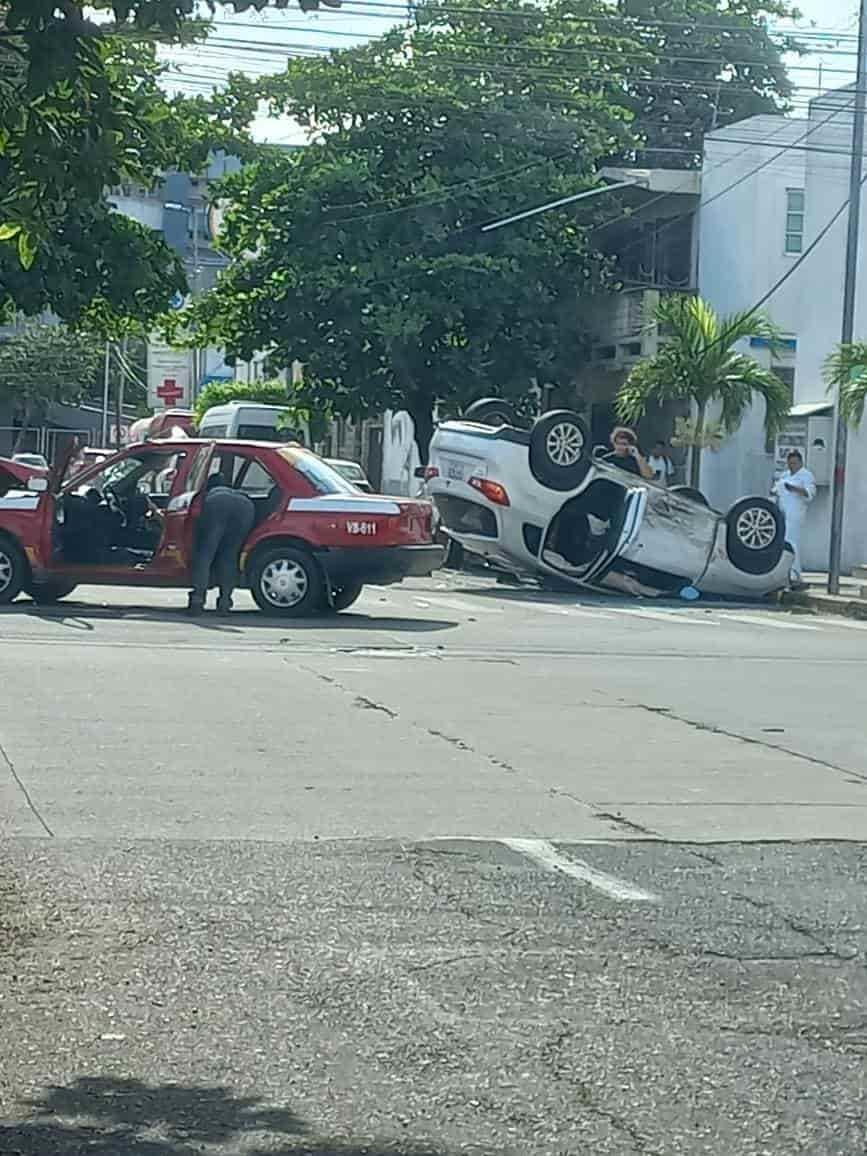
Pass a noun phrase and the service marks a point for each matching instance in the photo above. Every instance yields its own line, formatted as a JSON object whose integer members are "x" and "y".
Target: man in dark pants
{"x": 225, "y": 521}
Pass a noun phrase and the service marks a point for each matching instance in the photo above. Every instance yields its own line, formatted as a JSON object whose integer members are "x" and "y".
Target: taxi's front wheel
{"x": 13, "y": 570}
{"x": 287, "y": 581}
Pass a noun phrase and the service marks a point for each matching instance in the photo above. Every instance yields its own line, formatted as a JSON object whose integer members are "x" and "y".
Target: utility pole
{"x": 121, "y": 385}
{"x": 849, "y": 283}
{"x": 105, "y": 393}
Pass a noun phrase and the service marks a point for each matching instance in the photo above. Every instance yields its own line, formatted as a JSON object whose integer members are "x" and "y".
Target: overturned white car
{"x": 538, "y": 501}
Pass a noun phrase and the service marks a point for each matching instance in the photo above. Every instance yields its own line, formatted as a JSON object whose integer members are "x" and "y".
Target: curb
{"x": 825, "y": 603}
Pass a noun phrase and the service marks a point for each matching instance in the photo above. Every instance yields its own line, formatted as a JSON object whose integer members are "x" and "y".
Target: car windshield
{"x": 323, "y": 477}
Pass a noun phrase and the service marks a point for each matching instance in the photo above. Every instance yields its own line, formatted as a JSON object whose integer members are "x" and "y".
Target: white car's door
{"x": 676, "y": 534}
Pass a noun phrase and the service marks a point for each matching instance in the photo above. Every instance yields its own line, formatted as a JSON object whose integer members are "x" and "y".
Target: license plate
{"x": 459, "y": 469}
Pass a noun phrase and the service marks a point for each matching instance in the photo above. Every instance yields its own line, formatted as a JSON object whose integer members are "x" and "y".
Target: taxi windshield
{"x": 324, "y": 478}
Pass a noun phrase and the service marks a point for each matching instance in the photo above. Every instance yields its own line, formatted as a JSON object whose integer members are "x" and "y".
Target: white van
{"x": 250, "y": 421}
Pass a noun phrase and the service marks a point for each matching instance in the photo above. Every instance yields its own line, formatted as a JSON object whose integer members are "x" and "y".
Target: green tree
{"x": 364, "y": 258}
{"x": 81, "y": 110}
{"x": 45, "y": 364}
{"x": 707, "y": 64}
{"x": 697, "y": 364}
{"x": 845, "y": 373}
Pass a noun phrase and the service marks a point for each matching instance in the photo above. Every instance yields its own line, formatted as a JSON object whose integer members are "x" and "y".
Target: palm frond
{"x": 845, "y": 371}
{"x": 747, "y": 377}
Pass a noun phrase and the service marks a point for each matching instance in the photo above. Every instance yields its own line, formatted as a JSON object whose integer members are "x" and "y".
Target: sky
{"x": 258, "y": 43}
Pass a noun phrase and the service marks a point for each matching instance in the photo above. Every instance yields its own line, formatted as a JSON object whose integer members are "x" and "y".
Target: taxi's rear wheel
{"x": 287, "y": 581}
{"x": 13, "y": 570}
{"x": 47, "y": 593}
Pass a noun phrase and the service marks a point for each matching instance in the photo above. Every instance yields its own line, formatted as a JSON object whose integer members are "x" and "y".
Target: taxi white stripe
{"x": 338, "y": 504}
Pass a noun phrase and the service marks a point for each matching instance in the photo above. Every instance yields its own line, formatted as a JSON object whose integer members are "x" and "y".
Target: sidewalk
{"x": 848, "y": 602}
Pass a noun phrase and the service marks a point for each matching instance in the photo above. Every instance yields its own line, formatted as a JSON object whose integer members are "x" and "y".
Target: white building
{"x": 792, "y": 177}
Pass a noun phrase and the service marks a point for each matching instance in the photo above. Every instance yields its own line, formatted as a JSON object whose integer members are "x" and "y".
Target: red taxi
{"x": 129, "y": 521}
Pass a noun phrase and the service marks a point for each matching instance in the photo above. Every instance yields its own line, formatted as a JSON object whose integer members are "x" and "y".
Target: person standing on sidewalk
{"x": 795, "y": 490}
{"x": 661, "y": 464}
{"x": 225, "y": 521}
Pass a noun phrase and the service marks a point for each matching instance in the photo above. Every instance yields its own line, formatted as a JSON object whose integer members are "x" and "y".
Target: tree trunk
{"x": 420, "y": 409}
{"x": 695, "y": 454}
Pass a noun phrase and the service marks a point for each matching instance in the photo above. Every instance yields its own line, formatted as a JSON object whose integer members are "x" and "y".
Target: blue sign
{"x": 177, "y": 300}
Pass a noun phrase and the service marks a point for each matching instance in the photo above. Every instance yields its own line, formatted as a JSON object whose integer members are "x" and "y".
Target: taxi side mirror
{"x": 37, "y": 485}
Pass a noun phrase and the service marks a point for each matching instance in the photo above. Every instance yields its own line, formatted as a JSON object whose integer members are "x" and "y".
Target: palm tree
{"x": 696, "y": 363}
{"x": 846, "y": 371}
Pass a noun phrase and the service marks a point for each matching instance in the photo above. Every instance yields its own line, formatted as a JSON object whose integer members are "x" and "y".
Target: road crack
{"x": 34, "y": 810}
{"x": 712, "y": 728}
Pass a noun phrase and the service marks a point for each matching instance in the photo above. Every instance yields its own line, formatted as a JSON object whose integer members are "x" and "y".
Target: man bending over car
{"x": 225, "y": 521}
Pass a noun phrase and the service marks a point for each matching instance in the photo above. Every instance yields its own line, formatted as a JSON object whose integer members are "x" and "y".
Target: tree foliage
{"x": 81, "y": 110}
{"x": 46, "y": 364}
{"x": 698, "y": 364}
{"x": 363, "y": 256}
{"x": 845, "y": 373}
{"x": 706, "y": 65}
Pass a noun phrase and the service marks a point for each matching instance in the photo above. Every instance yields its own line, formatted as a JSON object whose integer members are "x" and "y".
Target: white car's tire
{"x": 755, "y": 535}
{"x": 560, "y": 450}
{"x": 492, "y": 411}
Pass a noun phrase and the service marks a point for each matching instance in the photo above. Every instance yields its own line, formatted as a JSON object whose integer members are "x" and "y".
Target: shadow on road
{"x": 81, "y": 616}
{"x": 110, "y": 1116}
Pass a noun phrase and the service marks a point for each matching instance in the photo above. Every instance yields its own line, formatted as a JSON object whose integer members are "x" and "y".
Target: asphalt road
{"x": 467, "y": 869}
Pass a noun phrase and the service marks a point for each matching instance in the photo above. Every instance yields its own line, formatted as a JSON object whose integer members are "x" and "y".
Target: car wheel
{"x": 492, "y": 411}
{"x": 47, "y": 593}
{"x": 287, "y": 581}
{"x": 13, "y": 571}
{"x": 342, "y": 597}
{"x": 560, "y": 450}
{"x": 689, "y": 492}
{"x": 756, "y": 534}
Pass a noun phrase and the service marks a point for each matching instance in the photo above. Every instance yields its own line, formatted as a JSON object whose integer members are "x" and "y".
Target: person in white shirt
{"x": 661, "y": 464}
{"x": 795, "y": 490}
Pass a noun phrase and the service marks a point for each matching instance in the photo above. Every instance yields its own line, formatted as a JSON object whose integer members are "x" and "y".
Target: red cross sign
{"x": 169, "y": 391}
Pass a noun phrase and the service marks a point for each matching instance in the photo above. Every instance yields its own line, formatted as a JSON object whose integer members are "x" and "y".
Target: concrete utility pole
{"x": 848, "y": 326}
{"x": 106, "y": 378}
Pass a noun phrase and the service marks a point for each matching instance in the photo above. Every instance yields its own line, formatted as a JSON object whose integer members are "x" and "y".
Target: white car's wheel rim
{"x": 5, "y": 571}
{"x": 564, "y": 444}
{"x": 284, "y": 582}
{"x": 756, "y": 528}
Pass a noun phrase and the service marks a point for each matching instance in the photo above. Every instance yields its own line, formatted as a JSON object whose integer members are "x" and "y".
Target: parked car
{"x": 248, "y": 419}
{"x": 315, "y": 543}
{"x": 537, "y": 501}
{"x": 353, "y": 473}
{"x": 36, "y": 461}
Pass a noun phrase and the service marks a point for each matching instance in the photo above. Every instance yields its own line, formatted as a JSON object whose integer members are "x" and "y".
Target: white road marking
{"x": 846, "y": 623}
{"x": 681, "y": 616}
{"x": 765, "y": 620}
{"x": 546, "y": 855}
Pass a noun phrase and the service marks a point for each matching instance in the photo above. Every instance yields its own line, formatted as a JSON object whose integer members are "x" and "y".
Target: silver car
{"x": 536, "y": 500}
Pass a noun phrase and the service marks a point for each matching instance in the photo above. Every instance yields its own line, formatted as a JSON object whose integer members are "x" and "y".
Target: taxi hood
{"x": 15, "y": 475}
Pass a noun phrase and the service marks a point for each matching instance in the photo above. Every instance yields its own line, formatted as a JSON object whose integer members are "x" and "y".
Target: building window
{"x": 786, "y": 374}
{"x": 794, "y": 220}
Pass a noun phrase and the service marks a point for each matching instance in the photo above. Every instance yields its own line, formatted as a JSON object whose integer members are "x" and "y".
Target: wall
{"x": 741, "y": 255}
{"x": 827, "y": 186}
